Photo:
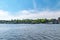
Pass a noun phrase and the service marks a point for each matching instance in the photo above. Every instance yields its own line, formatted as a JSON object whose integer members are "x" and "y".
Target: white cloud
{"x": 27, "y": 14}
{"x": 5, "y": 15}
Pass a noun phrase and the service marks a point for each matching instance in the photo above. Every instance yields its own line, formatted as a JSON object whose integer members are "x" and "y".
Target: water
{"x": 29, "y": 31}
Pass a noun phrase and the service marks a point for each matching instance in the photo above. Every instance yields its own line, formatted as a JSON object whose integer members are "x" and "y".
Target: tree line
{"x": 30, "y": 21}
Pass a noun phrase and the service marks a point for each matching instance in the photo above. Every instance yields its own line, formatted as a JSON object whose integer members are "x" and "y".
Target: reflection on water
{"x": 29, "y": 31}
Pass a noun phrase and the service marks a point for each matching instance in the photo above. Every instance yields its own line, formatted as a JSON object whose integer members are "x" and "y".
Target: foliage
{"x": 29, "y": 21}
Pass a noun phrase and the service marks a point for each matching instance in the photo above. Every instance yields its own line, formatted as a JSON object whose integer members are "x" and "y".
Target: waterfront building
{"x": 59, "y": 20}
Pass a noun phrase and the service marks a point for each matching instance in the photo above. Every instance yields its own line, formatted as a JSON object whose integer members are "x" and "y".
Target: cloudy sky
{"x": 29, "y": 9}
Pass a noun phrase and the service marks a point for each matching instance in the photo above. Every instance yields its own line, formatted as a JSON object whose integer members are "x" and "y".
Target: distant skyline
{"x": 29, "y": 9}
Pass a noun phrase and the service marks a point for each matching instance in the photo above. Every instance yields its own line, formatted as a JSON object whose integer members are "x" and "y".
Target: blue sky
{"x": 15, "y": 6}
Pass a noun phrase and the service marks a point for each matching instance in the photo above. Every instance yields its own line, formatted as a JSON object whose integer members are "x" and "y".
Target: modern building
{"x": 59, "y": 20}
{"x": 55, "y": 21}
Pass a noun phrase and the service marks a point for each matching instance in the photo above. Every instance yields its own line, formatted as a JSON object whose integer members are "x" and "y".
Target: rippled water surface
{"x": 29, "y": 31}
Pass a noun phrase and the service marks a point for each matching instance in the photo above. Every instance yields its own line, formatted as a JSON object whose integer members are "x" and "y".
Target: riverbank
{"x": 31, "y": 21}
